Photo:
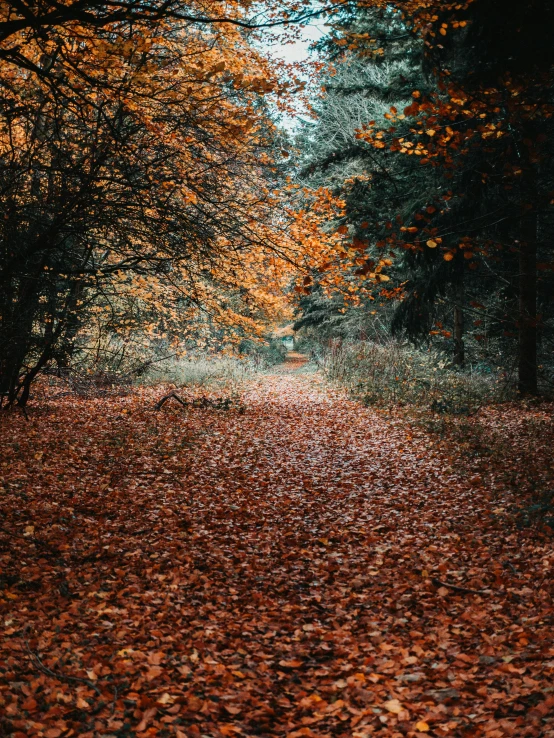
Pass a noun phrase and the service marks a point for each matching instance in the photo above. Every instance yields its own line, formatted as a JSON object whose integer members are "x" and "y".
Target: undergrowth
{"x": 208, "y": 370}
{"x": 112, "y": 372}
{"x": 394, "y": 373}
{"x": 201, "y": 371}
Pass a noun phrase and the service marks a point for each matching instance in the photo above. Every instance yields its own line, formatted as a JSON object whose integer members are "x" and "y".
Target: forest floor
{"x": 295, "y": 565}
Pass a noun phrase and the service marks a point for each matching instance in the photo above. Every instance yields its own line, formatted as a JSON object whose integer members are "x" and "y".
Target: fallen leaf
{"x": 422, "y": 726}
{"x": 393, "y": 706}
{"x": 292, "y": 664}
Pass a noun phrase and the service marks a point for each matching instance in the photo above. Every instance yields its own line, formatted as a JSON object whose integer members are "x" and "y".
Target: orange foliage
{"x": 193, "y": 97}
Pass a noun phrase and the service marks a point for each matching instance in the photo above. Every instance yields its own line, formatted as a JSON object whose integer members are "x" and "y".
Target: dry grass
{"x": 203, "y": 371}
{"x": 394, "y": 373}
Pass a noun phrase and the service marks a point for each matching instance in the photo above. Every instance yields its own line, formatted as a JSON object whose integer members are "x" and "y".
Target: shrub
{"x": 201, "y": 371}
{"x": 264, "y": 355}
{"x": 395, "y": 373}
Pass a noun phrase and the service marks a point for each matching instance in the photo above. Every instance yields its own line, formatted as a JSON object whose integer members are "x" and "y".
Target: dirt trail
{"x": 294, "y": 361}
{"x": 282, "y": 571}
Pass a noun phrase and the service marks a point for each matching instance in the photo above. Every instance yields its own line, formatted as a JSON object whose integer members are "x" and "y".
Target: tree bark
{"x": 527, "y": 318}
{"x": 459, "y": 347}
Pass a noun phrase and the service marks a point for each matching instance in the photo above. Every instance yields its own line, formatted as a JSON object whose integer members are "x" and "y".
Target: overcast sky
{"x": 298, "y": 51}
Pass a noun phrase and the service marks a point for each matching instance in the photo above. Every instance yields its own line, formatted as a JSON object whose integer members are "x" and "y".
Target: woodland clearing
{"x": 295, "y": 565}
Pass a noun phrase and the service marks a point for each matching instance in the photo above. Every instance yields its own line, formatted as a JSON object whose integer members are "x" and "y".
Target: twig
{"x": 173, "y": 395}
{"x": 146, "y": 364}
{"x": 438, "y": 583}
{"x": 35, "y": 660}
{"x": 31, "y": 539}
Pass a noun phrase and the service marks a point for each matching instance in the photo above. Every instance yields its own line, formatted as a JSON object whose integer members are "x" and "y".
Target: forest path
{"x": 294, "y": 362}
{"x": 271, "y": 572}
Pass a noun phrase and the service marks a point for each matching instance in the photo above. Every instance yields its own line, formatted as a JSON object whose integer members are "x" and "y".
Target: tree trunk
{"x": 18, "y": 310}
{"x": 459, "y": 347}
{"x": 527, "y": 318}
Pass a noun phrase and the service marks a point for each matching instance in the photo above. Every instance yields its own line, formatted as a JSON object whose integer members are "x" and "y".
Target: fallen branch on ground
{"x": 171, "y": 395}
{"x": 438, "y": 583}
{"x": 219, "y": 403}
{"x": 37, "y": 663}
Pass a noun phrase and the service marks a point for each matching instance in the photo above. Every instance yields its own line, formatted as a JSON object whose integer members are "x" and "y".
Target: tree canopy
{"x": 434, "y": 125}
{"x": 145, "y": 179}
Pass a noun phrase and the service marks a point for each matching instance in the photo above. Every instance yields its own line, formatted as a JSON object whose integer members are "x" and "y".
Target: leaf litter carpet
{"x": 300, "y": 566}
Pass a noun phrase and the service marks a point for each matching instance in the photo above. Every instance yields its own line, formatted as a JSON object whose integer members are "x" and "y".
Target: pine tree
{"x": 458, "y": 189}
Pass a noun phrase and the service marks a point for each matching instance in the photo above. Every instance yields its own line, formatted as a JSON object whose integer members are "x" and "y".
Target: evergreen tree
{"x": 430, "y": 173}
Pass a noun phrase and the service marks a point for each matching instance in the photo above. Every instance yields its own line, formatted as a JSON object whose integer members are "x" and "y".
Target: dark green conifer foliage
{"x": 488, "y": 303}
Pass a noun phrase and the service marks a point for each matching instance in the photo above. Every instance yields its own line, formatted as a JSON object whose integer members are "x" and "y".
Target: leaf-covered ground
{"x": 296, "y": 566}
